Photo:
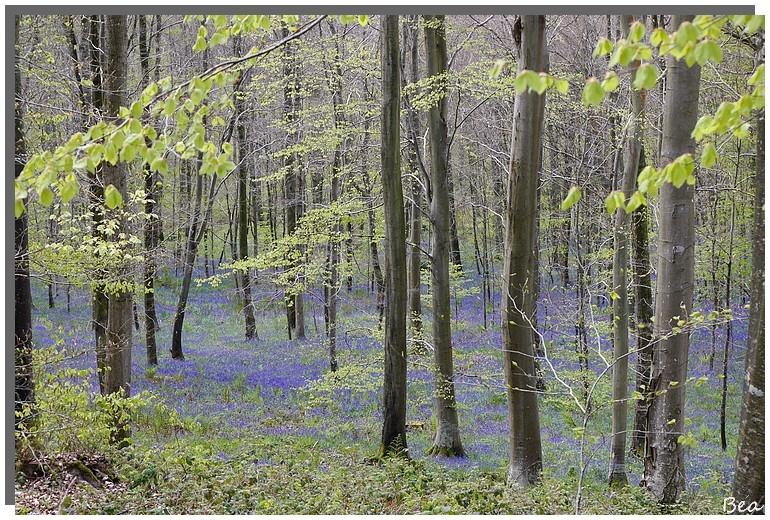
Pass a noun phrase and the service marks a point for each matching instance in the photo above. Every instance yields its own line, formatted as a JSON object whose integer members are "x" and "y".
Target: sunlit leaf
{"x": 593, "y": 93}
{"x": 112, "y": 197}
{"x": 573, "y": 196}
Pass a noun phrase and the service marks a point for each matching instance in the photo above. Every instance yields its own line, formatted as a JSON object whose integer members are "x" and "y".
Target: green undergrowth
{"x": 296, "y": 475}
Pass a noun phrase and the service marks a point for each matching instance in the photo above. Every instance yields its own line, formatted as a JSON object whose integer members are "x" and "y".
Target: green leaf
{"x": 135, "y": 126}
{"x": 603, "y": 47}
{"x": 497, "y": 68}
{"x": 709, "y": 155}
{"x": 708, "y": 50}
{"x": 136, "y": 110}
{"x": 87, "y": 83}
{"x": 526, "y": 80}
{"x": 678, "y": 174}
{"x": 159, "y": 165}
{"x": 264, "y": 22}
{"x": 686, "y": 33}
{"x": 593, "y": 93}
{"x": 562, "y": 86}
{"x": 347, "y": 18}
{"x": 636, "y": 32}
{"x": 659, "y": 36}
{"x": 46, "y": 196}
{"x": 363, "y": 19}
{"x": 646, "y": 76}
{"x": 636, "y": 200}
{"x": 112, "y": 197}
{"x": 219, "y": 20}
{"x": 169, "y": 106}
{"x": 611, "y": 81}
{"x": 573, "y": 196}
{"x": 18, "y": 208}
{"x": 200, "y": 44}
{"x": 196, "y": 96}
{"x": 69, "y": 189}
{"x": 614, "y": 200}
{"x": 220, "y": 37}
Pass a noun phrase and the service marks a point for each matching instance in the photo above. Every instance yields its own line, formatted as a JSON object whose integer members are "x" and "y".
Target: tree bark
{"x": 642, "y": 269}
{"x": 24, "y": 387}
{"x": 664, "y": 457}
{"x": 749, "y": 480}
{"x": 447, "y": 438}
{"x": 243, "y": 203}
{"x": 151, "y": 227}
{"x": 525, "y": 463}
{"x": 292, "y": 183}
{"x": 394, "y": 379}
{"x": 620, "y": 307}
{"x": 120, "y": 310}
{"x": 414, "y": 165}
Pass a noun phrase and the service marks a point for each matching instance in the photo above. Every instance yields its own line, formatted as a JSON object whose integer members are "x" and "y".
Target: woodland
{"x": 389, "y": 264}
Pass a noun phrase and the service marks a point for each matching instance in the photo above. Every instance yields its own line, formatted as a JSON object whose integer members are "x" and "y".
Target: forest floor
{"x": 264, "y": 427}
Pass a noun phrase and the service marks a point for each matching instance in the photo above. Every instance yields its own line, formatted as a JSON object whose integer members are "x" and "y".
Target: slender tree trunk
{"x": 243, "y": 204}
{"x": 728, "y": 304}
{"x": 643, "y": 300}
{"x": 394, "y": 379}
{"x": 96, "y": 197}
{"x": 292, "y": 183}
{"x": 749, "y": 480}
{"x": 24, "y": 386}
{"x": 664, "y": 458}
{"x": 120, "y": 311}
{"x": 411, "y": 32}
{"x": 620, "y": 307}
{"x": 525, "y": 462}
{"x": 332, "y": 286}
{"x": 151, "y": 239}
{"x": 447, "y": 438}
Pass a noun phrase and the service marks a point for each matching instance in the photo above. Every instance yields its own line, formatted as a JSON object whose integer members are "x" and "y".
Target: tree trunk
{"x": 749, "y": 479}
{"x": 292, "y": 182}
{"x": 99, "y": 301}
{"x": 664, "y": 458}
{"x": 394, "y": 378}
{"x": 243, "y": 203}
{"x": 151, "y": 227}
{"x": 447, "y": 438}
{"x": 642, "y": 269}
{"x": 24, "y": 387}
{"x": 620, "y": 312}
{"x": 414, "y": 165}
{"x": 120, "y": 310}
{"x": 525, "y": 463}
{"x": 333, "y": 261}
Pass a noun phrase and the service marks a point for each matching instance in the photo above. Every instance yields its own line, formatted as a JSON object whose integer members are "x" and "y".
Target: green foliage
{"x": 70, "y": 417}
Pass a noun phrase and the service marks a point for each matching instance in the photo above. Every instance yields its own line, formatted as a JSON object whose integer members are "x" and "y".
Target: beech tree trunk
{"x": 415, "y": 168}
{"x": 749, "y": 479}
{"x": 117, "y": 379}
{"x": 152, "y": 225}
{"x": 620, "y": 312}
{"x": 243, "y": 202}
{"x": 24, "y": 387}
{"x": 664, "y": 458}
{"x": 642, "y": 269}
{"x": 394, "y": 384}
{"x": 447, "y": 438}
{"x": 525, "y": 463}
